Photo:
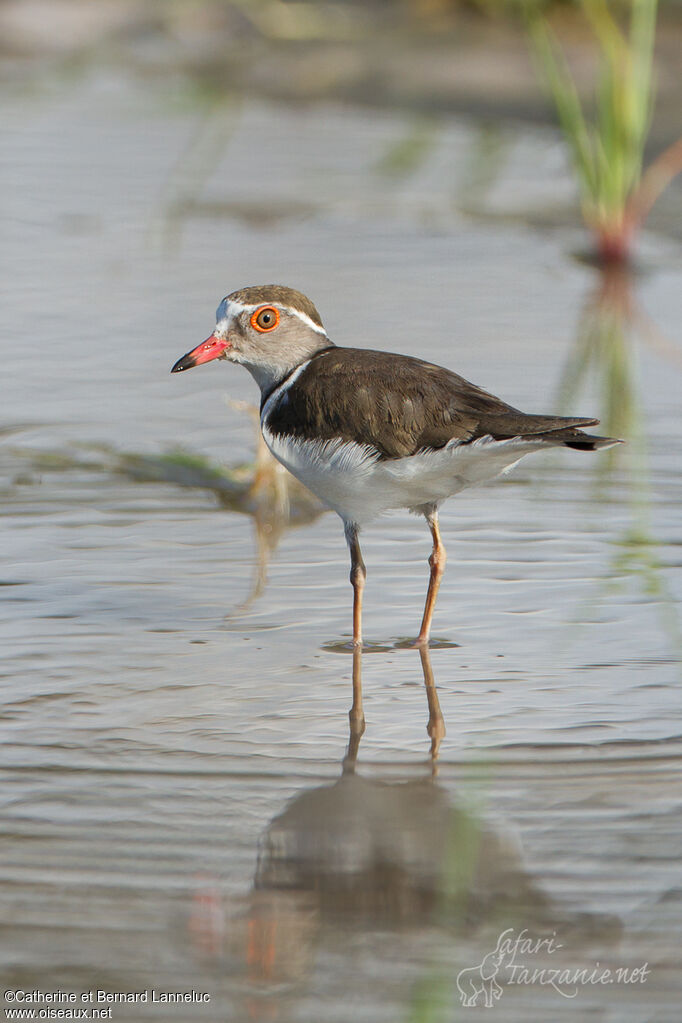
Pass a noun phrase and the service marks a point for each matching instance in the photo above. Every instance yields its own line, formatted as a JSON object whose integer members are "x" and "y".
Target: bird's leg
{"x": 358, "y": 574}
{"x": 437, "y": 566}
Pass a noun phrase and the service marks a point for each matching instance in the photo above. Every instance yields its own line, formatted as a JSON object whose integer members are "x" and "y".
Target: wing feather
{"x": 398, "y": 405}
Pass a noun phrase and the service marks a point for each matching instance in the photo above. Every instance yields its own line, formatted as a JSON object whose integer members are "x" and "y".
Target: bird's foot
{"x": 430, "y": 643}
{"x": 348, "y": 647}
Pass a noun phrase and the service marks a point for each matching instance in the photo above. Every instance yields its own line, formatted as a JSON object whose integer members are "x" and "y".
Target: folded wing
{"x": 399, "y": 405}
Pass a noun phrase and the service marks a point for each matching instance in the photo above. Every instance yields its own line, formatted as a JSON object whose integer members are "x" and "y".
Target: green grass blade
{"x": 566, "y": 100}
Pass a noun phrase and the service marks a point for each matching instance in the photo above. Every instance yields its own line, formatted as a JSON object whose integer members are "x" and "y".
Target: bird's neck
{"x": 269, "y": 375}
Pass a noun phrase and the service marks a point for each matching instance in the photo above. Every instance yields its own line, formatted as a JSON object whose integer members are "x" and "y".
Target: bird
{"x": 371, "y": 431}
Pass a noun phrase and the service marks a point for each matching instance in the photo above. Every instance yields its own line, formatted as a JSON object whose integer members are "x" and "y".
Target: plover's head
{"x": 270, "y": 329}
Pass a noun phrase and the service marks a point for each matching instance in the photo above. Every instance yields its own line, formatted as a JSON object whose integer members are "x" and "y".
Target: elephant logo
{"x": 474, "y": 981}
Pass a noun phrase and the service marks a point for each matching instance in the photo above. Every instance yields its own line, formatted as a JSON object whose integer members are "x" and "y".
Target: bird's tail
{"x": 559, "y": 431}
{"x": 572, "y": 438}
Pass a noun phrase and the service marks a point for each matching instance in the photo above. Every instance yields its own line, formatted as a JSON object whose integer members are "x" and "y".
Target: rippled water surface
{"x": 174, "y": 683}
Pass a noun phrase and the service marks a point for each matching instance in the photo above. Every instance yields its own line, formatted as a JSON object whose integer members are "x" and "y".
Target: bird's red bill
{"x": 209, "y": 349}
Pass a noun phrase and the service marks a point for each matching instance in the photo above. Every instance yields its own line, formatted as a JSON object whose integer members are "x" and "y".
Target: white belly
{"x": 355, "y": 482}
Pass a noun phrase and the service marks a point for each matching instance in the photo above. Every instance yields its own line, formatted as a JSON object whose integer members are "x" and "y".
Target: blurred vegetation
{"x": 405, "y": 156}
{"x": 607, "y": 137}
{"x": 605, "y": 354}
{"x": 261, "y": 489}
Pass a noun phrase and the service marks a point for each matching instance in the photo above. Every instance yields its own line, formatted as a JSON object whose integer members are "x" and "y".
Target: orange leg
{"x": 437, "y": 566}
{"x": 358, "y": 574}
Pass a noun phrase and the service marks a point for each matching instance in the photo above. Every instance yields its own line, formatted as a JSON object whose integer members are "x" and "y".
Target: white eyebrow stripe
{"x": 240, "y": 307}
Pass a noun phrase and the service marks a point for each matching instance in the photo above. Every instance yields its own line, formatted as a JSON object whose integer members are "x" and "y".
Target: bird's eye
{"x": 264, "y": 319}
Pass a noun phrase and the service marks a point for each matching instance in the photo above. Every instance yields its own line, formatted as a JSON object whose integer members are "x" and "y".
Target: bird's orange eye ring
{"x": 265, "y": 319}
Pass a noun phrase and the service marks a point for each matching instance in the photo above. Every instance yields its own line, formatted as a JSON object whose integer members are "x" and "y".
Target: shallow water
{"x": 157, "y": 719}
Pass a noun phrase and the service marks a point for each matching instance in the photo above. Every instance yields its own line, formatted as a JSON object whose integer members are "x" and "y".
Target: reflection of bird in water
{"x": 393, "y": 852}
{"x": 363, "y": 853}
{"x": 356, "y": 717}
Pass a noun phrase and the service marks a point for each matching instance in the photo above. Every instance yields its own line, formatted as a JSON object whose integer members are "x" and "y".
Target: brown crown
{"x": 279, "y": 294}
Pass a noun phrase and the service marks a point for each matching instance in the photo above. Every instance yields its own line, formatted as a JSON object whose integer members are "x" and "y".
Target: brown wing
{"x": 398, "y": 405}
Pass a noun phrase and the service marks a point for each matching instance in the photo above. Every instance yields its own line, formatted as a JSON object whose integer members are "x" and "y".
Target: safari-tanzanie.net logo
{"x": 520, "y": 959}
